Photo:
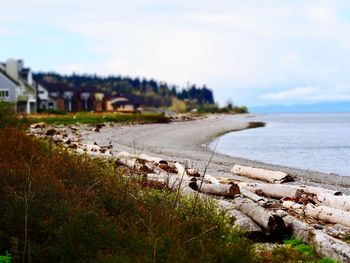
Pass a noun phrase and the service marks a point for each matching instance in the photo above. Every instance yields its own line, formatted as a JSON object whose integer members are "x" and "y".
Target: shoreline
{"x": 188, "y": 142}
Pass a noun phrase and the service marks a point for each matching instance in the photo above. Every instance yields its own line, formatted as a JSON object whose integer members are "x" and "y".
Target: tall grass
{"x": 58, "y": 207}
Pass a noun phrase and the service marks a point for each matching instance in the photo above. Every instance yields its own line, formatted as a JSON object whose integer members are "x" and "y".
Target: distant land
{"x": 298, "y": 108}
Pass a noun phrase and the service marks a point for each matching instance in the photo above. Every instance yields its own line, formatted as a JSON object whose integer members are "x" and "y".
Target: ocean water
{"x": 313, "y": 141}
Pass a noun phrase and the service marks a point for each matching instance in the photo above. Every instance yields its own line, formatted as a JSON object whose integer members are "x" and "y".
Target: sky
{"x": 252, "y": 52}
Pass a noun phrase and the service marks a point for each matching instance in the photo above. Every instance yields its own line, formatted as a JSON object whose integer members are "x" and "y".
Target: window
{"x": 4, "y": 94}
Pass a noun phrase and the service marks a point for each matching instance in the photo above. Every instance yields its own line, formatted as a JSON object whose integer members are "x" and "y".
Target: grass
{"x": 295, "y": 250}
{"x": 94, "y": 118}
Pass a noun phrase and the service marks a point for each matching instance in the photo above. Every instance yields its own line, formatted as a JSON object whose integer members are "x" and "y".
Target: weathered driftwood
{"x": 293, "y": 205}
{"x": 173, "y": 182}
{"x": 192, "y": 172}
{"x": 141, "y": 156}
{"x": 130, "y": 163}
{"x": 251, "y": 195}
{"x": 242, "y": 221}
{"x": 274, "y": 177}
{"x": 270, "y": 222}
{"x": 181, "y": 171}
{"x": 226, "y": 190}
{"x": 324, "y": 244}
{"x": 279, "y": 191}
{"x": 324, "y": 213}
{"x": 337, "y": 231}
{"x": 328, "y": 214}
{"x": 339, "y": 202}
{"x": 210, "y": 179}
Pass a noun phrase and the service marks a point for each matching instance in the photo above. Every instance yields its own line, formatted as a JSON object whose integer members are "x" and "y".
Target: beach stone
{"x": 39, "y": 125}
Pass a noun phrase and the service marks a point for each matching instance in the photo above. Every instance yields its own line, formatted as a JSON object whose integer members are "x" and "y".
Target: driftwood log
{"x": 279, "y": 191}
{"x": 328, "y": 214}
{"x": 324, "y": 244}
{"x": 270, "y": 222}
{"x": 273, "y": 177}
{"x": 251, "y": 195}
{"x": 227, "y": 190}
{"x": 339, "y": 202}
{"x": 242, "y": 221}
{"x": 141, "y": 156}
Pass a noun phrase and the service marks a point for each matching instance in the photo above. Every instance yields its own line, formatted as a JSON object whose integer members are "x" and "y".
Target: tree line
{"x": 153, "y": 93}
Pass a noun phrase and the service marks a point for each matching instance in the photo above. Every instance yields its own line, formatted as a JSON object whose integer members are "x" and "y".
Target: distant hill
{"x": 319, "y": 107}
{"x": 151, "y": 92}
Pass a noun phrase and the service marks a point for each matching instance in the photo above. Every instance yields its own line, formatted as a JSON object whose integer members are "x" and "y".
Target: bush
{"x": 7, "y": 114}
{"x": 80, "y": 209}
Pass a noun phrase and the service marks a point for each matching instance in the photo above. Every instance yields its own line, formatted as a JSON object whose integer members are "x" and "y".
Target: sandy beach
{"x": 188, "y": 142}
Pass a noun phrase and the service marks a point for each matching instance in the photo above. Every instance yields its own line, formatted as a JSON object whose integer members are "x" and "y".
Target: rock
{"x": 39, "y": 125}
{"x": 51, "y": 132}
{"x": 57, "y": 138}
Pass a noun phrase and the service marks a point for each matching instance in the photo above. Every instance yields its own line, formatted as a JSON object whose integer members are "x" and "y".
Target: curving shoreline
{"x": 188, "y": 142}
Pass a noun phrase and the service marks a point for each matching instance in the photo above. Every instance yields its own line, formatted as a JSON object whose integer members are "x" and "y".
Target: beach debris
{"x": 334, "y": 201}
{"x": 241, "y": 220}
{"x": 226, "y": 190}
{"x": 39, "y": 125}
{"x": 273, "y": 177}
{"x": 328, "y": 214}
{"x": 278, "y": 191}
{"x": 269, "y": 221}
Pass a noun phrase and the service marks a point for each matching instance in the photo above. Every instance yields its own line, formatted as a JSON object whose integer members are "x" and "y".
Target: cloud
{"x": 310, "y": 94}
{"x": 240, "y": 49}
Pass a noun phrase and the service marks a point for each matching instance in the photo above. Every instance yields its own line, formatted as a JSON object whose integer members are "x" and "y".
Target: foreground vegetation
{"x": 60, "y": 207}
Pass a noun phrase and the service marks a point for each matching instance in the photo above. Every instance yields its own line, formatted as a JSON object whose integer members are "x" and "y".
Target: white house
{"x": 17, "y": 86}
{"x": 45, "y": 101}
{"x": 122, "y": 104}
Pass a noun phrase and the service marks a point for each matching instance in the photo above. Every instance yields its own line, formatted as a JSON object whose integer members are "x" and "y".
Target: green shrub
{"x": 6, "y": 258}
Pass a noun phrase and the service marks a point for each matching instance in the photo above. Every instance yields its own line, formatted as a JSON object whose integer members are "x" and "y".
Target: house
{"x": 17, "y": 86}
{"x": 45, "y": 102}
{"x": 123, "y": 103}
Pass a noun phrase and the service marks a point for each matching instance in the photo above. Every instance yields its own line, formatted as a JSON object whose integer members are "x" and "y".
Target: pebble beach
{"x": 187, "y": 142}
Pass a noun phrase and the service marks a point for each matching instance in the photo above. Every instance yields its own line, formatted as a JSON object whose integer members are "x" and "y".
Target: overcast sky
{"x": 254, "y": 52}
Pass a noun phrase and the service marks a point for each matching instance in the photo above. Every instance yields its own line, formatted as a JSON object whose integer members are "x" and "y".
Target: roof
{"x": 9, "y": 77}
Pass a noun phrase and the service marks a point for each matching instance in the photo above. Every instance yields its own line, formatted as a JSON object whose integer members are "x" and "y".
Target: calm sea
{"x": 314, "y": 141}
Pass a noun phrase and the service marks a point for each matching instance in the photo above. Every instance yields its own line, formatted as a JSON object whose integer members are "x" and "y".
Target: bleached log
{"x": 251, "y": 229}
{"x": 141, "y": 156}
{"x": 328, "y": 214}
{"x": 173, "y": 182}
{"x": 180, "y": 169}
{"x": 323, "y": 243}
{"x": 192, "y": 172}
{"x": 226, "y": 190}
{"x": 256, "y": 198}
{"x": 337, "y": 231}
{"x": 211, "y": 179}
{"x": 292, "y": 205}
{"x": 279, "y": 191}
{"x": 338, "y": 202}
{"x": 273, "y": 177}
{"x": 151, "y": 158}
{"x": 270, "y": 222}
{"x": 131, "y": 163}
